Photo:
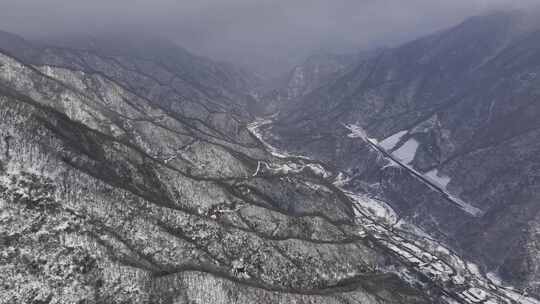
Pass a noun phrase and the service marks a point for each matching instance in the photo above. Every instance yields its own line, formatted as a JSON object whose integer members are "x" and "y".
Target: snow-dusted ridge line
{"x": 358, "y": 132}
{"x": 424, "y": 256}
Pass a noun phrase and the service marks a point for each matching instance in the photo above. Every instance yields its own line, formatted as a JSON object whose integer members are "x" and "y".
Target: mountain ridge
{"x": 148, "y": 179}
{"x": 453, "y": 96}
{"x": 114, "y": 195}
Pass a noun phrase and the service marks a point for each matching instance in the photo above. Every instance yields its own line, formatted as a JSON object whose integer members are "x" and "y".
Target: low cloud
{"x": 266, "y": 34}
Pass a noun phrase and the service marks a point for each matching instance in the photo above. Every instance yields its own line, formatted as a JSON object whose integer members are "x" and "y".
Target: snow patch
{"x": 494, "y": 278}
{"x": 472, "y": 210}
{"x": 356, "y": 131}
{"x": 377, "y": 208}
{"x": 254, "y": 129}
{"x": 439, "y": 179}
{"x": 407, "y": 151}
{"x": 391, "y": 164}
{"x": 341, "y": 180}
{"x": 390, "y": 142}
{"x": 318, "y": 170}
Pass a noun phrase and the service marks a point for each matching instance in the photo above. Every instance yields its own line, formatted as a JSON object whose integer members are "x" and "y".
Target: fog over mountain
{"x": 267, "y": 35}
{"x": 270, "y": 152}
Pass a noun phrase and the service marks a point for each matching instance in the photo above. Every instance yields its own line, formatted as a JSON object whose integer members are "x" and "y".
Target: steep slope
{"x": 131, "y": 180}
{"x": 461, "y": 108}
{"x": 316, "y": 71}
{"x": 149, "y": 65}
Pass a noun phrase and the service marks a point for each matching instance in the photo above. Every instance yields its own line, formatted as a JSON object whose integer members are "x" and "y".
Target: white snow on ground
{"x": 470, "y": 209}
{"x": 466, "y": 206}
{"x": 439, "y": 179}
{"x": 318, "y": 170}
{"x": 407, "y": 151}
{"x": 356, "y": 131}
{"x": 317, "y": 187}
{"x": 412, "y": 228}
{"x": 405, "y": 154}
{"x": 341, "y": 180}
{"x": 290, "y": 167}
{"x": 391, "y": 164}
{"x": 493, "y": 277}
{"x": 519, "y": 297}
{"x": 254, "y": 129}
{"x": 390, "y": 142}
{"x": 377, "y": 208}
{"x": 475, "y": 295}
{"x": 426, "y": 255}
{"x": 260, "y": 166}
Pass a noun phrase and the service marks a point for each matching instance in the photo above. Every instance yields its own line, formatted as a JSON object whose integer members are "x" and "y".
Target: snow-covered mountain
{"x": 128, "y": 175}
{"x": 132, "y": 171}
{"x": 460, "y": 108}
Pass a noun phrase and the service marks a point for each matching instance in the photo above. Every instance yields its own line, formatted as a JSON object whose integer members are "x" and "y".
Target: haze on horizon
{"x": 265, "y": 35}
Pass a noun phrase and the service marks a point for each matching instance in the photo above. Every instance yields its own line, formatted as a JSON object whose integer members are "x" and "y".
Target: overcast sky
{"x": 273, "y": 33}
